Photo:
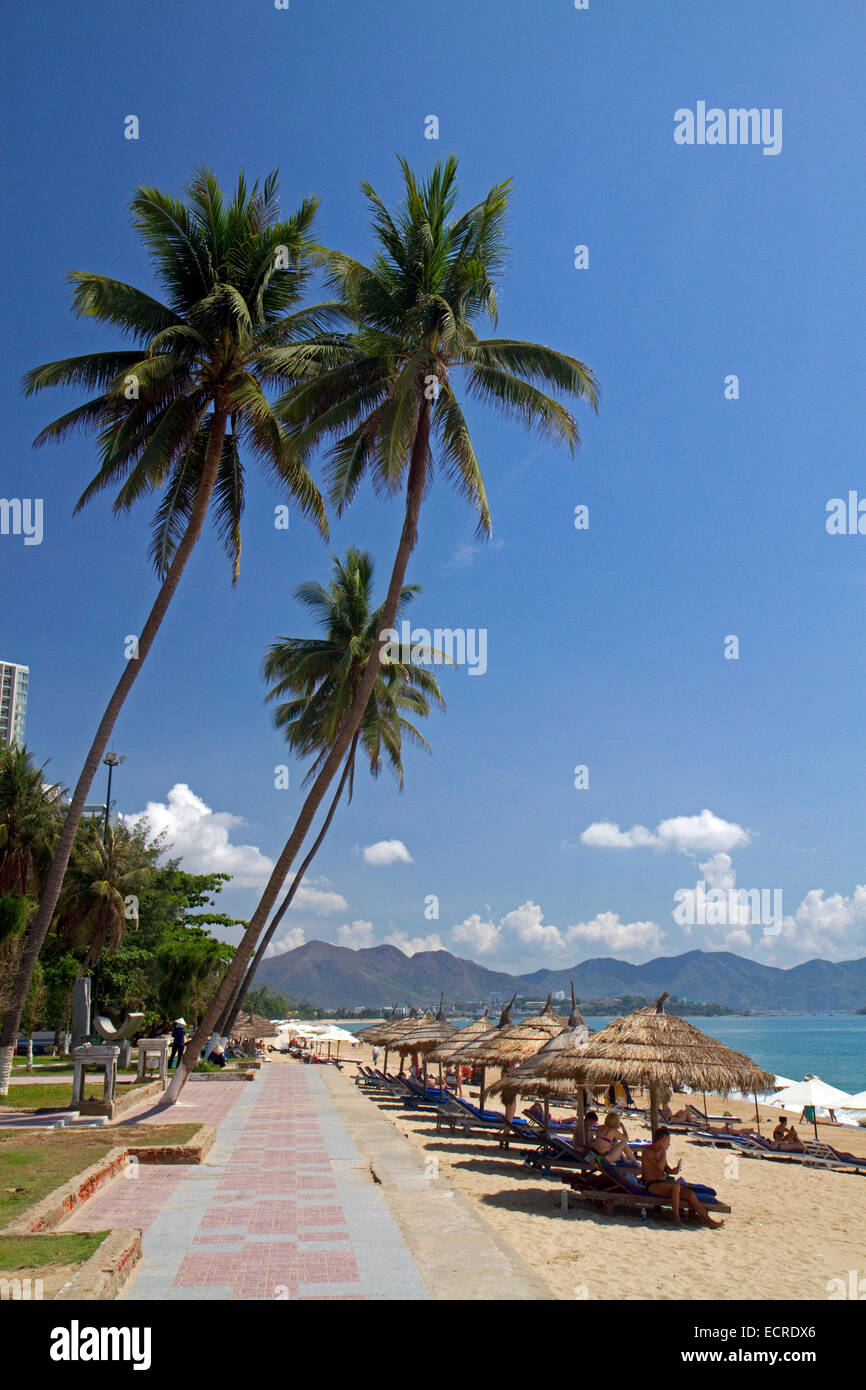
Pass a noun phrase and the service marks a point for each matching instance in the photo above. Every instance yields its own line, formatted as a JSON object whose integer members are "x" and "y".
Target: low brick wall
{"x": 52, "y": 1210}
{"x": 108, "y": 1269}
{"x": 222, "y": 1076}
{"x": 48, "y": 1214}
{"x": 194, "y": 1150}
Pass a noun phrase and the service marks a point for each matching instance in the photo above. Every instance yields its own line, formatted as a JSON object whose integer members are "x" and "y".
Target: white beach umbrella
{"x": 812, "y": 1091}
{"x": 857, "y": 1102}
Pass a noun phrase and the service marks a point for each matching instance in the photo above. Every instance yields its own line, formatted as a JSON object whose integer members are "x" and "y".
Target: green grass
{"x": 54, "y": 1096}
{"x": 32, "y": 1165}
{"x": 61, "y": 1063}
{"x": 36, "y": 1252}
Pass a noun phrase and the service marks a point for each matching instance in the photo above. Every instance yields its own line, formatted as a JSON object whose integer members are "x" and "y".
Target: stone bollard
{"x": 106, "y": 1058}
{"x": 154, "y": 1047}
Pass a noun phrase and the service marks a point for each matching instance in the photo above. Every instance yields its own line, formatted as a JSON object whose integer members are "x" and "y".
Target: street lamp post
{"x": 111, "y": 761}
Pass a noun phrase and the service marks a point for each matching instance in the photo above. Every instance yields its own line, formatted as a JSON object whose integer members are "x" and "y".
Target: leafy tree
{"x": 30, "y": 820}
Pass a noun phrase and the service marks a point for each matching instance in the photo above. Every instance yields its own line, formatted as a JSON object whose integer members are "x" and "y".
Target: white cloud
{"x": 292, "y": 938}
{"x": 387, "y": 852}
{"x": 201, "y": 838}
{"x": 522, "y": 938}
{"x": 411, "y": 945}
{"x": 603, "y": 834}
{"x": 687, "y": 834}
{"x": 356, "y": 935}
{"x": 316, "y": 895}
{"x": 480, "y": 936}
{"x": 618, "y": 938}
{"x": 833, "y": 928}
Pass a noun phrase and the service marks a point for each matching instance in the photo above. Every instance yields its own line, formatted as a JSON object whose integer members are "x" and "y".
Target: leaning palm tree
{"x": 387, "y": 402}
{"x": 315, "y": 679}
{"x": 173, "y": 412}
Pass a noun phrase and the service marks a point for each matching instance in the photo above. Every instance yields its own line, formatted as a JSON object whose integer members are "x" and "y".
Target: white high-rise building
{"x": 14, "y": 681}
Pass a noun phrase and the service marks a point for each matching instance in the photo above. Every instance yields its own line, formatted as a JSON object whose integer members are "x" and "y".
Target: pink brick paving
{"x": 275, "y": 1228}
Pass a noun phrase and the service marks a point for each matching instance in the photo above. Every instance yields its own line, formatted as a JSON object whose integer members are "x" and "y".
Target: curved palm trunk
{"x": 408, "y": 537}
{"x": 224, "y": 1027}
{"x": 54, "y": 881}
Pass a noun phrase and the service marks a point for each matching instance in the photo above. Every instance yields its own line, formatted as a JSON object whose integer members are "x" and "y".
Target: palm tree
{"x": 30, "y": 820}
{"x": 387, "y": 397}
{"x": 173, "y": 411}
{"x": 320, "y": 676}
{"x": 105, "y": 870}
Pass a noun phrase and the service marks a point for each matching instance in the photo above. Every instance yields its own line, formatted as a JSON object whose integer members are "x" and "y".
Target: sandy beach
{"x": 791, "y": 1231}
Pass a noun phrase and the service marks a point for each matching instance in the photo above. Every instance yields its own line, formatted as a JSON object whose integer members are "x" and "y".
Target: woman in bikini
{"x": 611, "y": 1141}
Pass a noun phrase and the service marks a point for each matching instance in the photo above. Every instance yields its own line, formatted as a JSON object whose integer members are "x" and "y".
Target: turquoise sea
{"x": 827, "y": 1045}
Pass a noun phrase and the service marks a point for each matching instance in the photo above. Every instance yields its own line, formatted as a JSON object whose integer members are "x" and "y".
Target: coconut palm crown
{"x": 414, "y": 312}
{"x": 322, "y": 674}
{"x": 232, "y": 273}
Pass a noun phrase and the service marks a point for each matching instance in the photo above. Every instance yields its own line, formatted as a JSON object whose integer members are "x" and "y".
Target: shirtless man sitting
{"x": 656, "y": 1175}
{"x": 786, "y": 1137}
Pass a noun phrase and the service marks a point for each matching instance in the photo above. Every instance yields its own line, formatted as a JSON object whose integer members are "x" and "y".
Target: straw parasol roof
{"x": 446, "y": 1051}
{"x": 427, "y": 1035}
{"x": 659, "y": 1052}
{"x": 515, "y": 1043}
{"x": 387, "y": 1033}
{"x": 527, "y": 1078}
{"x": 461, "y": 1046}
{"x": 249, "y": 1026}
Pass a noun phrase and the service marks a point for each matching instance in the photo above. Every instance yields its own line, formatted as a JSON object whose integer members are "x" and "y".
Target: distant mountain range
{"x": 330, "y": 976}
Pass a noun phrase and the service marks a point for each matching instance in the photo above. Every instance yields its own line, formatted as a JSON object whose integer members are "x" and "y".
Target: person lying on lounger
{"x": 611, "y": 1141}
{"x": 682, "y": 1116}
{"x": 660, "y": 1179}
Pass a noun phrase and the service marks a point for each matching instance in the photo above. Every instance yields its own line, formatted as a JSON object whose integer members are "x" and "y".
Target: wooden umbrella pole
{"x": 706, "y": 1111}
{"x": 385, "y": 1062}
{"x": 581, "y": 1113}
{"x": 654, "y": 1107}
{"x": 757, "y": 1112}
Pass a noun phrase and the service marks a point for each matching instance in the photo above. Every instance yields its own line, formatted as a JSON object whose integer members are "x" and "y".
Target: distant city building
{"x": 14, "y": 682}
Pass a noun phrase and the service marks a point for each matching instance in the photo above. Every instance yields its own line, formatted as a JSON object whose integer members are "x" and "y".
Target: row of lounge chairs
{"x": 550, "y": 1151}
{"x": 815, "y": 1152}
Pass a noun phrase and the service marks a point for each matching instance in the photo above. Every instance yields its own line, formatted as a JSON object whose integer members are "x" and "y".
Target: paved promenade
{"x": 284, "y": 1207}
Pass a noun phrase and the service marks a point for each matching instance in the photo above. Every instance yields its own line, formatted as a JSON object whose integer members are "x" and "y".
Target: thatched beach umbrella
{"x": 508, "y": 1046}
{"x": 446, "y": 1051}
{"x": 388, "y": 1032}
{"x": 659, "y": 1052}
{"x": 427, "y": 1036}
{"x": 462, "y": 1045}
{"x": 529, "y": 1079}
{"x": 252, "y": 1025}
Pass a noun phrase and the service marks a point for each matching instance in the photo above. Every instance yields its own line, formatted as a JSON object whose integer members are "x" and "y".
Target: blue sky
{"x": 605, "y": 646}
